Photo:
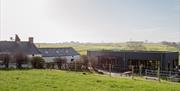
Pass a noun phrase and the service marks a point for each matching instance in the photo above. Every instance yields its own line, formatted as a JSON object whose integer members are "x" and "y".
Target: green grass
{"x": 56, "y": 80}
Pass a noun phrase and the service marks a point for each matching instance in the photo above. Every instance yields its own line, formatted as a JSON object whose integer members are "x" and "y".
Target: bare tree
{"x": 20, "y": 59}
{"x": 60, "y": 61}
{"x": 5, "y": 58}
{"x": 92, "y": 62}
{"x": 84, "y": 59}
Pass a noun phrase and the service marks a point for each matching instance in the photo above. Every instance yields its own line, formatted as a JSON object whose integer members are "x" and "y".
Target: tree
{"x": 84, "y": 60}
{"x": 92, "y": 62}
{"x": 172, "y": 44}
{"x": 5, "y": 59}
{"x": 37, "y": 62}
{"x": 60, "y": 61}
{"x": 20, "y": 59}
{"x": 77, "y": 65}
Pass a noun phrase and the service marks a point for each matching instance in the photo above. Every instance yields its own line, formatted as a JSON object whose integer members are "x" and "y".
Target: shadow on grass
{"x": 14, "y": 69}
{"x": 26, "y": 69}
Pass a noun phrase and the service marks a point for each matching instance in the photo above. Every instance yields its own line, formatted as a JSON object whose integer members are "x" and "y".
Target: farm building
{"x": 124, "y": 60}
{"x": 68, "y": 53}
{"x": 12, "y": 48}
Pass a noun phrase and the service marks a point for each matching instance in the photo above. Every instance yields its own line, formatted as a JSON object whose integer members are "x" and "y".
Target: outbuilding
{"x": 125, "y": 59}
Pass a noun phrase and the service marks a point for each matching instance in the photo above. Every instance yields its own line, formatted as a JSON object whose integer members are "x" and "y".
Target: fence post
{"x": 145, "y": 72}
{"x": 75, "y": 65}
{"x": 140, "y": 70}
{"x": 132, "y": 72}
{"x": 169, "y": 73}
{"x": 110, "y": 70}
{"x": 158, "y": 73}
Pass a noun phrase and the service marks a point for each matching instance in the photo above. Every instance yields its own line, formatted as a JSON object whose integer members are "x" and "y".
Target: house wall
{"x": 12, "y": 63}
{"x": 69, "y": 58}
{"x": 75, "y": 58}
{"x": 28, "y": 65}
{"x": 35, "y": 55}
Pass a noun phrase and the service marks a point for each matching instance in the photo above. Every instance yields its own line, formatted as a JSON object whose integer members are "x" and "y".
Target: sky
{"x": 91, "y": 20}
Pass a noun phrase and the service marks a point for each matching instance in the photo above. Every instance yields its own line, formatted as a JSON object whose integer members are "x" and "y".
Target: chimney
{"x": 17, "y": 39}
{"x": 31, "y": 40}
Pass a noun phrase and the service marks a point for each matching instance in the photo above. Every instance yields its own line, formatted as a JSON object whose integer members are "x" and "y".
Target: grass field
{"x": 56, "y": 80}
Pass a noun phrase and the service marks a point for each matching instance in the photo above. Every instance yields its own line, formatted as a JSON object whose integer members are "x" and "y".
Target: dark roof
{"x": 133, "y": 51}
{"x": 13, "y": 47}
{"x": 57, "y": 52}
{"x": 139, "y": 55}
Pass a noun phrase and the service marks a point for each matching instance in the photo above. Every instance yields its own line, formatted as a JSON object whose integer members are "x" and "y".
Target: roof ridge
{"x": 25, "y": 46}
{"x": 54, "y": 47}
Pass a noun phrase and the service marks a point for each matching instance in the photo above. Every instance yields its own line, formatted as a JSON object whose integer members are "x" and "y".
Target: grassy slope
{"x": 55, "y": 80}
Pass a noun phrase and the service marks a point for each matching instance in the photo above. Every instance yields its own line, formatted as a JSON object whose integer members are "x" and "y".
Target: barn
{"x": 124, "y": 60}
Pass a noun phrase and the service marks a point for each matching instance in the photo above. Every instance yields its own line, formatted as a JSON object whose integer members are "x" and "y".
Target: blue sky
{"x": 91, "y": 20}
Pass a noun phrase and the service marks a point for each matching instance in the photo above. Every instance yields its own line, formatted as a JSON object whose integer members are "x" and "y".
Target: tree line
{"x": 39, "y": 63}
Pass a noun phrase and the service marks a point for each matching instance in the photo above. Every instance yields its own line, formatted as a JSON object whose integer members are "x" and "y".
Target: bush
{"x": 50, "y": 65}
{"x": 37, "y": 62}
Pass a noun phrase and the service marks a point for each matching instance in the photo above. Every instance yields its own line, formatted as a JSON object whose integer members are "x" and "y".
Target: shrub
{"x": 50, "y": 65}
{"x": 37, "y": 62}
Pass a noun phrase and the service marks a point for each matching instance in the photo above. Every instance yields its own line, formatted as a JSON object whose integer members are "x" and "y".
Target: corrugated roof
{"x": 12, "y": 47}
{"x": 57, "y": 52}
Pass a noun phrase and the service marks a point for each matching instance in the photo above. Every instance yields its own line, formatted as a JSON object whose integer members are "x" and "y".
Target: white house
{"x": 28, "y": 48}
{"x": 49, "y": 54}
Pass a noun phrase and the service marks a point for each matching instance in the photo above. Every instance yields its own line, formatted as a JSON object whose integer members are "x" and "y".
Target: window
{"x": 57, "y": 51}
{"x": 46, "y": 52}
{"x": 66, "y": 51}
{"x": 72, "y": 60}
